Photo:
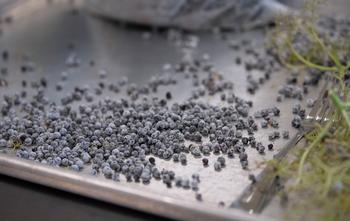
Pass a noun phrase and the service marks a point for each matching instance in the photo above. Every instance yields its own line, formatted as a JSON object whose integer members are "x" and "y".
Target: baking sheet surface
{"x": 44, "y": 31}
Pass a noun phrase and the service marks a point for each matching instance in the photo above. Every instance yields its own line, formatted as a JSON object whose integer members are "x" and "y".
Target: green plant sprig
{"x": 321, "y": 170}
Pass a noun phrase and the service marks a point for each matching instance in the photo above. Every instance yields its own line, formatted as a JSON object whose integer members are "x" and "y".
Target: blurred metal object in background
{"x": 191, "y": 14}
{"x": 6, "y": 4}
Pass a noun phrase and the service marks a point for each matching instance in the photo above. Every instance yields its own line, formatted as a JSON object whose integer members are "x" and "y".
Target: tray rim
{"x": 111, "y": 192}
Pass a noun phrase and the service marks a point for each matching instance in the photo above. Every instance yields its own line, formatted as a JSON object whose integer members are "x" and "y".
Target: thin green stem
{"x": 309, "y": 63}
{"x": 344, "y": 166}
{"x": 328, "y": 183}
{"x": 341, "y": 108}
{"x": 318, "y": 139}
{"x": 334, "y": 57}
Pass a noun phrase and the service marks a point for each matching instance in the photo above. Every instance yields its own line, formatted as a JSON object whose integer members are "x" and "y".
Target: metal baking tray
{"x": 43, "y": 30}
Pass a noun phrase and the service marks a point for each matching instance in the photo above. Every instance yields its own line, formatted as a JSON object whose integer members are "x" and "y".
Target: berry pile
{"x": 126, "y": 138}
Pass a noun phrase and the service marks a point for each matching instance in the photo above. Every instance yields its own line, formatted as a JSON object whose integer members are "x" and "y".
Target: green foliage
{"x": 319, "y": 174}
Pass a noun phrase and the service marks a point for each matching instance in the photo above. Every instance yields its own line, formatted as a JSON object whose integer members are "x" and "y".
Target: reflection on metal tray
{"x": 44, "y": 30}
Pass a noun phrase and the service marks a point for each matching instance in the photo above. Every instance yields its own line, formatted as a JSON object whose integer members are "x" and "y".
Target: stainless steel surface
{"x": 192, "y": 15}
{"x": 43, "y": 31}
{"x": 108, "y": 191}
